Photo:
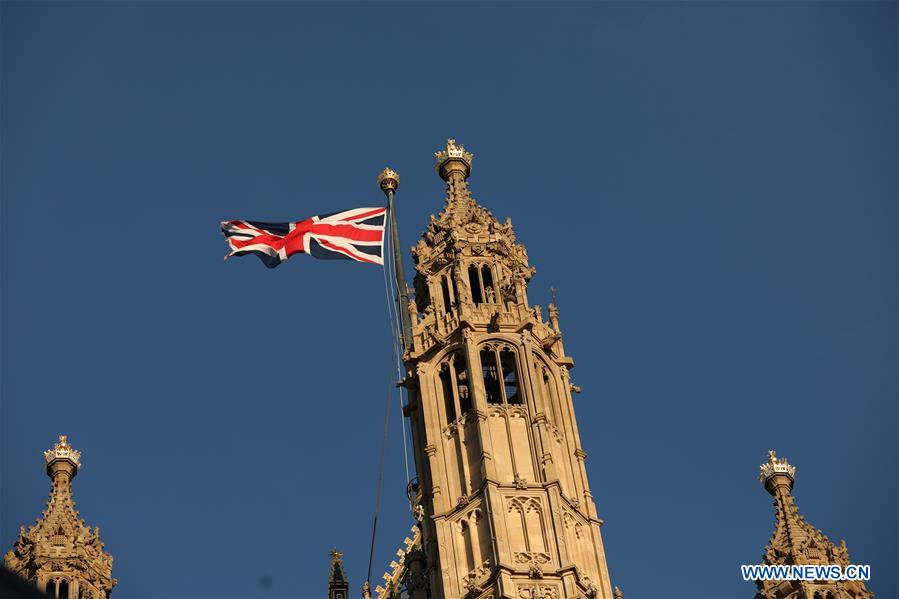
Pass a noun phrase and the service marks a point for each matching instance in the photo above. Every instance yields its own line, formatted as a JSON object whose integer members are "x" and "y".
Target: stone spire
{"x": 465, "y": 232}
{"x": 338, "y": 586}
{"x": 59, "y": 553}
{"x": 505, "y": 508}
{"x": 795, "y": 541}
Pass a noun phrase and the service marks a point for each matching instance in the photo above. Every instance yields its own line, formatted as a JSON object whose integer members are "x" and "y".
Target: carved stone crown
{"x": 63, "y": 451}
{"x": 775, "y": 465}
{"x": 453, "y": 152}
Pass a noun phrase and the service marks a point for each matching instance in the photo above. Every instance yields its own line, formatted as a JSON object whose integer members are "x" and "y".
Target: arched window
{"x": 462, "y": 387}
{"x": 491, "y": 376}
{"x": 510, "y": 377}
{"x": 63, "y": 589}
{"x": 500, "y": 373}
{"x": 474, "y": 279}
{"x": 446, "y": 383}
{"x": 455, "y": 386}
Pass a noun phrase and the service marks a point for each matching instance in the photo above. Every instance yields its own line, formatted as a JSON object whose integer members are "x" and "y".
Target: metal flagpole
{"x": 389, "y": 180}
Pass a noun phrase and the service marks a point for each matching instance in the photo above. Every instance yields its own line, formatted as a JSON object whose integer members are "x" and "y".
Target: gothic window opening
{"x": 447, "y": 385}
{"x": 474, "y": 279}
{"x": 446, "y": 294}
{"x": 500, "y": 376}
{"x": 63, "y": 589}
{"x": 510, "y": 377}
{"x": 491, "y": 376}
{"x": 462, "y": 386}
{"x": 487, "y": 278}
{"x": 455, "y": 386}
{"x": 422, "y": 296}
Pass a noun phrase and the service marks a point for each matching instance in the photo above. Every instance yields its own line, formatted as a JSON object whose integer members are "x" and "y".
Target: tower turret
{"x": 795, "y": 541}
{"x": 59, "y": 553}
{"x": 338, "y": 586}
{"x": 506, "y": 510}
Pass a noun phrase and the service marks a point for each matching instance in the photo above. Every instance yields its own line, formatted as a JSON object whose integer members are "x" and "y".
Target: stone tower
{"x": 795, "y": 541}
{"x": 505, "y": 507}
{"x": 59, "y": 553}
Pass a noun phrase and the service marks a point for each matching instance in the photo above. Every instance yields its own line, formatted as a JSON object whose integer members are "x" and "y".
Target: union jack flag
{"x": 349, "y": 235}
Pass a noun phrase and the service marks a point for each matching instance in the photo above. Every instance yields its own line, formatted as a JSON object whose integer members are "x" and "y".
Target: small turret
{"x": 338, "y": 587}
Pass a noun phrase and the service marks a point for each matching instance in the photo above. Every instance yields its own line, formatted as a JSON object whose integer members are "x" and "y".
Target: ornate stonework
{"x": 795, "y": 541}
{"x": 507, "y": 510}
{"x": 59, "y": 553}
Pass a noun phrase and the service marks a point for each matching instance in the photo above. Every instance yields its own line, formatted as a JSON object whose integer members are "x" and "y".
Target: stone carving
{"x": 471, "y": 586}
{"x": 473, "y": 581}
{"x": 534, "y": 561}
{"x": 775, "y": 465}
{"x": 463, "y": 220}
{"x": 395, "y": 577}
{"x": 77, "y": 552}
{"x": 537, "y": 591}
{"x": 795, "y": 541}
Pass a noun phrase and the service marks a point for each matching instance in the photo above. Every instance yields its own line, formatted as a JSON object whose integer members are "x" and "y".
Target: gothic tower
{"x": 506, "y": 510}
{"x": 795, "y": 541}
{"x": 59, "y": 553}
{"x": 338, "y": 586}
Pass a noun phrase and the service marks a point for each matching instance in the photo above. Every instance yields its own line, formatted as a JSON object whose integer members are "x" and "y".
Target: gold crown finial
{"x": 453, "y": 158}
{"x": 775, "y": 465}
{"x": 63, "y": 451}
{"x": 388, "y": 180}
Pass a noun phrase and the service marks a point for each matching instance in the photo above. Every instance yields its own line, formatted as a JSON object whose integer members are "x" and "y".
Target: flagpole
{"x": 389, "y": 181}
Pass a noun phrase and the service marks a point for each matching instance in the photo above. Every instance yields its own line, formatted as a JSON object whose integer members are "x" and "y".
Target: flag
{"x": 349, "y": 235}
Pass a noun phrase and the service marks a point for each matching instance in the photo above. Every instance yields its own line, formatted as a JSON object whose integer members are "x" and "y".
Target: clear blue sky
{"x": 711, "y": 187}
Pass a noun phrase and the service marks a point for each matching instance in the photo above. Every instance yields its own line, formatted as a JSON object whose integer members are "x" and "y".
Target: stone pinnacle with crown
{"x": 62, "y": 457}
{"x": 453, "y": 159}
{"x": 776, "y": 472}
